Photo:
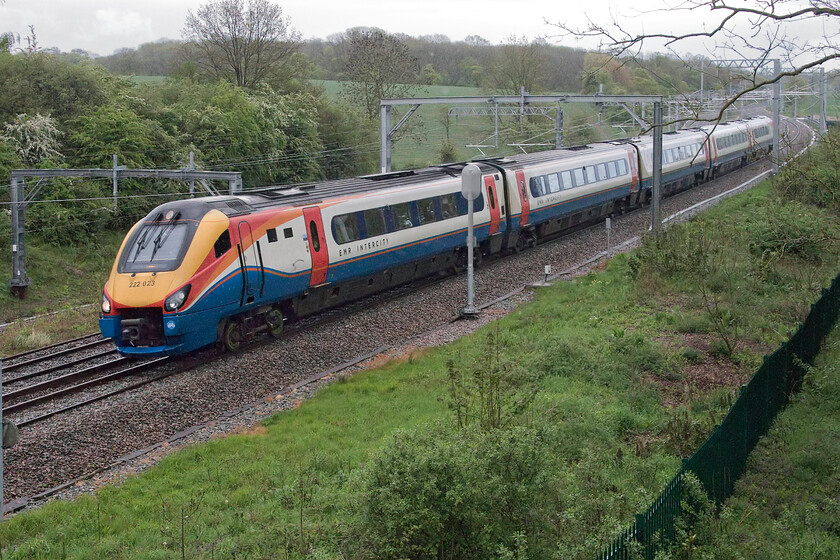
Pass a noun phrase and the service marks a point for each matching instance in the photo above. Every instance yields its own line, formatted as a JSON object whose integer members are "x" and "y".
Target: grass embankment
{"x": 787, "y": 505}
{"x": 540, "y": 436}
{"x": 63, "y": 280}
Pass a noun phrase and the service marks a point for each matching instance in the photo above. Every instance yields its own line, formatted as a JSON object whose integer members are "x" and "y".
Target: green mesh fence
{"x": 721, "y": 460}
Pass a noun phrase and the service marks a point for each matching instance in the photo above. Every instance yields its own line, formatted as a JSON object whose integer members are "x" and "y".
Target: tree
{"x": 379, "y": 66}
{"x": 243, "y": 43}
{"x": 760, "y": 31}
{"x": 518, "y": 64}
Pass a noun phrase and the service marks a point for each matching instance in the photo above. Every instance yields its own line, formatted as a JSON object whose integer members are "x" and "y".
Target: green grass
{"x": 786, "y": 505}
{"x": 63, "y": 279}
{"x": 596, "y": 357}
{"x": 421, "y": 141}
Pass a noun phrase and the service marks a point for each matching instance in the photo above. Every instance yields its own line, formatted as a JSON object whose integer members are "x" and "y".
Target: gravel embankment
{"x": 70, "y": 445}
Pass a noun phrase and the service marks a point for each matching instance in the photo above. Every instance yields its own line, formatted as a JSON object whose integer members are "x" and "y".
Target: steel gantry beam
{"x": 524, "y": 101}
{"x": 521, "y": 105}
{"x": 20, "y": 199}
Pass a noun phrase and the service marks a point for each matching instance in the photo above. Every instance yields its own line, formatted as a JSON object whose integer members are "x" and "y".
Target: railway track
{"x": 50, "y": 452}
{"x": 41, "y": 383}
{"x": 49, "y": 381}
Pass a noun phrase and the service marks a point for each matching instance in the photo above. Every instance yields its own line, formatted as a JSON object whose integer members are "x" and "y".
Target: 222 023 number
{"x": 138, "y": 283}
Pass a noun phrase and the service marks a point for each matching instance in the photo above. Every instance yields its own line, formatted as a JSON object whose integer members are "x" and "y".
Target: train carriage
{"x": 216, "y": 269}
{"x": 196, "y": 271}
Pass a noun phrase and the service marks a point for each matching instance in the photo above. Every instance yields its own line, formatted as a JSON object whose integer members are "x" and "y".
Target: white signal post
{"x": 470, "y": 189}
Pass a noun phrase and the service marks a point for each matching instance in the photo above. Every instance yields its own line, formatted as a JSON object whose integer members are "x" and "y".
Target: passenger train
{"x": 217, "y": 269}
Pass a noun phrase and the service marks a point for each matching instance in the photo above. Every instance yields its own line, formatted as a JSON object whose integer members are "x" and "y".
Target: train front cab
{"x": 161, "y": 269}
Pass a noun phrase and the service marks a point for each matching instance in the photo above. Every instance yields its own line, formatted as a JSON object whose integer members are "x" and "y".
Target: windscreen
{"x": 156, "y": 247}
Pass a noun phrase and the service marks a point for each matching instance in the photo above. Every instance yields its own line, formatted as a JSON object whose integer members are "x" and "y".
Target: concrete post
{"x": 823, "y": 102}
{"x": 558, "y": 128}
{"x": 115, "y": 180}
{"x": 19, "y": 280}
{"x": 656, "y": 218}
{"x": 385, "y": 138}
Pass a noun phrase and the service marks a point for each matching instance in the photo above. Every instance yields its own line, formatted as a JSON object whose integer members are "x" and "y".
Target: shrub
{"x": 433, "y": 493}
{"x": 790, "y": 230}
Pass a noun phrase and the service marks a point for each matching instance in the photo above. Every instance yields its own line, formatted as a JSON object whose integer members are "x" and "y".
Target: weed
{"x": 692, "y": 355}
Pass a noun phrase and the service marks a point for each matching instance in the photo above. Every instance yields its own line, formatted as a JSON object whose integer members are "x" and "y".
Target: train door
{"x": 490, "y": 186}
{"x": 523, "y": 196}
{"x": 317, "y": 245}
{"x": 250, "y": 259}
{"x": 633, "y": 156}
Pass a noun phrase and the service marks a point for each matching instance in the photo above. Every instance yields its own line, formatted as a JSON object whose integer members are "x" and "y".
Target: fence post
{"x": 641, "y": 533}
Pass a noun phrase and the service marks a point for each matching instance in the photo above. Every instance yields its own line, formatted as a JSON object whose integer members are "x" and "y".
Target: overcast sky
{"x": 102, "y": 26}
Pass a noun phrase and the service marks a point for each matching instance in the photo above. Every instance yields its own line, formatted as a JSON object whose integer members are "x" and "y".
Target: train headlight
{"x": 106, "y": 304}
{"x": 176, "y": 300}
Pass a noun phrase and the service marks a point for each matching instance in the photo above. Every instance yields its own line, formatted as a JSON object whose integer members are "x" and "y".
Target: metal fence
{"x": 721, "y": 460}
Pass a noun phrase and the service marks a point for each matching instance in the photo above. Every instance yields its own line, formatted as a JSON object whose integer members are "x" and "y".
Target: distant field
{"x": 333, "y": 87}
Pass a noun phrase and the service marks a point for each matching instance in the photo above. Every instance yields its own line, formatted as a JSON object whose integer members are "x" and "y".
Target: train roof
{"x": 312, "y": 193}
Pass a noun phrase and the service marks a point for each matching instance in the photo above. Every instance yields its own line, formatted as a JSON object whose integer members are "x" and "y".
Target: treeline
{"x": 436, "y": 60}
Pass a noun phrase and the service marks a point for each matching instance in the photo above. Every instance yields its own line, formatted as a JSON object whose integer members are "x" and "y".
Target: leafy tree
{"x": 350, "y": 141}
{"x": 518, "y": 64}
{"x": 379, "y": 66}
{"x": 476, "y": 41}
{"x": 48, "y": 84}
{"x": 117, "y": 129}
{"x": 33, "y": 138}
{"x": 238, "y": 42}
{"x": 7, "y": 41}
{"x": 270, "y": 137}
{"x": 429, "y": 76}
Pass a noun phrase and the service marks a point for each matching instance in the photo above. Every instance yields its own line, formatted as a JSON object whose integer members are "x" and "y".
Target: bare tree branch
{"x": 240, "y": 42}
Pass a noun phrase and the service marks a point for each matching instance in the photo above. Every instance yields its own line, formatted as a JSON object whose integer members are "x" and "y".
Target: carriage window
{"x": 590, "y": 174}
{"x": 554, "y": 182}
{"x": 287, "y": 233}
{"x": 426, "y": 210}
{"x": 492, "y": 197}
{"x": 536, "y": 186}
{"x": 612, "y": 169}
{"x": 344, "y": 227}
{"x": 375, "y": 222}
{"x": 313, "y": 232}
{"x": 578, "y": 174}
{"x": 601, "y": 168}
{"x": 448, "y": 207}
{"x": 402, "y": 216}
{"x": 271, "y": 233}
{"x": 566, "y": 179}
{"x": 666, "y": 156}
{"x": 622, "y": 167}
{"x": 222, "y": 244}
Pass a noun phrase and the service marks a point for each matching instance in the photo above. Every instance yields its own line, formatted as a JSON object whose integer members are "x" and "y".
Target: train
{"x": 218, "y": 269}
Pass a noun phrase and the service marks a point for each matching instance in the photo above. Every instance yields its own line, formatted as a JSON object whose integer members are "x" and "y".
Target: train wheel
{"x": 525, "y": 241}
{"x": 232, "y": 336}
{"x": 274, "y": 320}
